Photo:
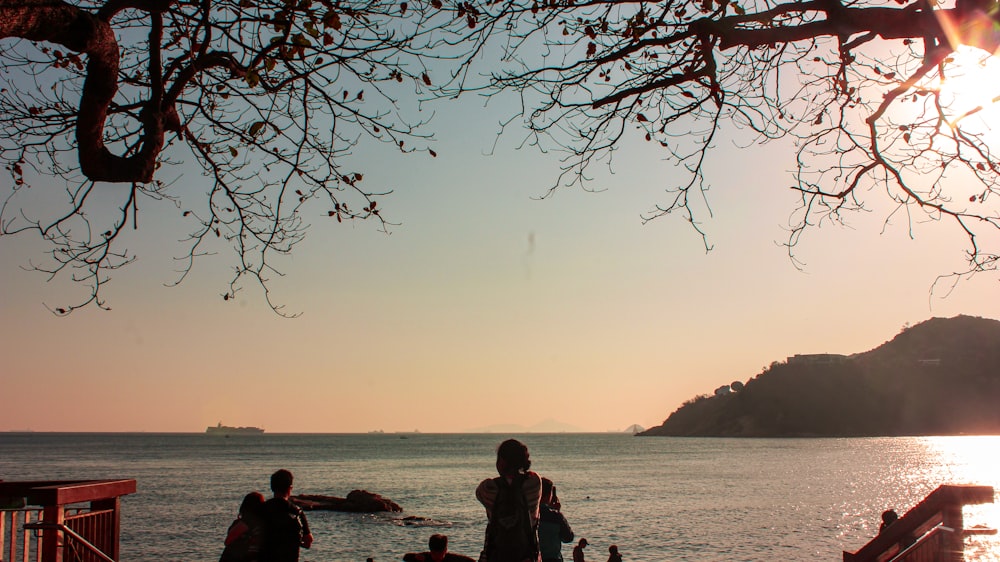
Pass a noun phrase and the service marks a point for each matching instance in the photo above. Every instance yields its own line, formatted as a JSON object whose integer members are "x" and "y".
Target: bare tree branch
{"x": 860, "y": 86}
{"x": 268, "y": 97}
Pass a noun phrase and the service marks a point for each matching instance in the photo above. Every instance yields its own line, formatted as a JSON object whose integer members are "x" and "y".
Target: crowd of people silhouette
{"x": 523, "y": 512}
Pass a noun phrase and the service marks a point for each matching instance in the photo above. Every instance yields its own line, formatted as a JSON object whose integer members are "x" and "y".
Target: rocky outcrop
{"x": 939, "y": 377}
{"x": 358, "y": 501}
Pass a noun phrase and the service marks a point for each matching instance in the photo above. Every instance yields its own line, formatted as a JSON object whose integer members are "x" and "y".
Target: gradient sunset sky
{"x": 484, "y": 306}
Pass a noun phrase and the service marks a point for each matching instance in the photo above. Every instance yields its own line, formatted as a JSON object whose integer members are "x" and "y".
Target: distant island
{"x": 229, "y": 430}
{"x": 939, "y": 377}
{"x": 634, "y": 429}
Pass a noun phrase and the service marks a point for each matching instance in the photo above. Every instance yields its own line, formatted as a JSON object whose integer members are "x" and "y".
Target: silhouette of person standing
{"x": 244, "y": 535}
{"x": 512, "y": 528}
{"x": 285, "y": 526}
{"x": 553, "y": 529}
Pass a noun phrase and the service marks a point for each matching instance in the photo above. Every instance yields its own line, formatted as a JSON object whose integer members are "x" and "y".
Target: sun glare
{"x": 974, "y": 458}
{"x": 971, "y": 81}
{"x": 971, "y": 459}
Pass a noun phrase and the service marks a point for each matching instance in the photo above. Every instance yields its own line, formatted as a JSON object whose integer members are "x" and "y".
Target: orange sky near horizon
{"x": 483, "y": 307}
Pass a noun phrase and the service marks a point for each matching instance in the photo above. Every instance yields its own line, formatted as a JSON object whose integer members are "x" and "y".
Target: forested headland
{"x": 939, "y": 377}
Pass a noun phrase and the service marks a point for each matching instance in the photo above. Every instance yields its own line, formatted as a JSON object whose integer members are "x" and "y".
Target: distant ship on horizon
{"x": 229, "y": 430}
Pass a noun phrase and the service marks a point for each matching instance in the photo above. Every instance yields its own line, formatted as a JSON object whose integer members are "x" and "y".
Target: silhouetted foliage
{"x": 268, "y": 96}
{"x": 863, "y": 87}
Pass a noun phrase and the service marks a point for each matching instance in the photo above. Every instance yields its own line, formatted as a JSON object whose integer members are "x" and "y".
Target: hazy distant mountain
{"x": 546, "y": 426}
{"x": 939, "y": 377}
{"x": 634, "y": 428}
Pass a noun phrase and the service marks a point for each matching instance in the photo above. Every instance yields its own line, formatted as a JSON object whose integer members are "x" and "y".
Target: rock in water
{"x": 357, "y": 501}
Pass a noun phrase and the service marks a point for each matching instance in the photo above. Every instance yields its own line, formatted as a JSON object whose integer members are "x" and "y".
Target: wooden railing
{"x": 44, "y": 521}
{"x": 933, "y": 531}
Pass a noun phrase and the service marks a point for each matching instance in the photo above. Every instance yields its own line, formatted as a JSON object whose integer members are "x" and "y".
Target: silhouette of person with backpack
{"x": 512, "y": 502}
{"x": 285, "y": 526}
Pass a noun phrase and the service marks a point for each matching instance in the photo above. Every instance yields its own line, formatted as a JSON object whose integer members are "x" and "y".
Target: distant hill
{"x": 634, "y": 428}
{"x": 939, "y": 377}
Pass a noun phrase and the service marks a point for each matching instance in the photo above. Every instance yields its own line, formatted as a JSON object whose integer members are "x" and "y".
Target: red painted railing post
{"x": 52, "y": 539}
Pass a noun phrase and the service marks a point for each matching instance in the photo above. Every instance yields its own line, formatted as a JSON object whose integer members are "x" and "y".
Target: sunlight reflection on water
{"x": 658, "y": 498}
{"x": 973, "y": 459}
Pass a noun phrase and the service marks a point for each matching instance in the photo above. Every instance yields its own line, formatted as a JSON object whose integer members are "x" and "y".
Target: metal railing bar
{"x": 937, "y": 529}
{"x": 85, "y": 514}
{"x": 74, "y": 535}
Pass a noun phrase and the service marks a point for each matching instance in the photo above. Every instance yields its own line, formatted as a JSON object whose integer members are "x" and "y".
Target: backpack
{"x": 284, "y": 526}
{"x": 510, "y": 536}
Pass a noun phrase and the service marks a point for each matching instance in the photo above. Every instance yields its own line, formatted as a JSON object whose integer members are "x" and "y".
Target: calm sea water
{"x": 657, "y": 498}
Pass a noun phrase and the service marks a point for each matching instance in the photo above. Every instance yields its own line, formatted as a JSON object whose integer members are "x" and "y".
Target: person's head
{"x": 889, "y": 516}
{"x": 583, "y": 543}
{"x": 281, "y": 482}
{"x": 252, "y": 505}
{"x": 548, "y": 490}
{"x": 613, "y": 549}
{"x": 512, "y": 457}
{"x": 438, "y": 545}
